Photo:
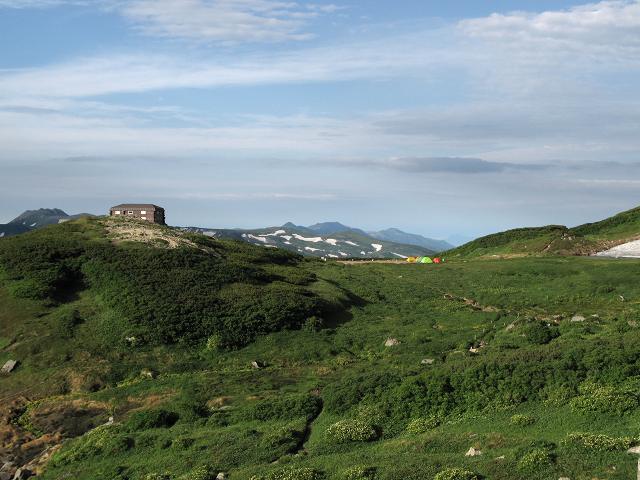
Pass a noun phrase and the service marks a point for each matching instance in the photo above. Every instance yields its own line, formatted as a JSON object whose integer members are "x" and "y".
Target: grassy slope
{"x": 232, "y": 417}
{"x": 555, "y": 239}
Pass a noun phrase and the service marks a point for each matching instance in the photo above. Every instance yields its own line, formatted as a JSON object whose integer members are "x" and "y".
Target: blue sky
{"x": 441, "y": 118}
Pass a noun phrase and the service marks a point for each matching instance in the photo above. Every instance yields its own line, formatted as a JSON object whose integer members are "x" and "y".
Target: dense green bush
{"x": 353, "y": 389}
{"x": 605, "y": 399}
{"x": 422, "y": 425}
{"x": 539, "y": 333}
{"x": 147, "y": 419}
{"x": 293, "y": 474}
{"x": 352, "y": 431}
{"x": 535, "y": 460}
{"x": 285, "y": 408}
{"x": 597, "y": 442}
{"x": 359, "y": 473}
{"x": 522, "y": 420}
{"x": 202, "y": 472}
{"x": 456, "y": 474}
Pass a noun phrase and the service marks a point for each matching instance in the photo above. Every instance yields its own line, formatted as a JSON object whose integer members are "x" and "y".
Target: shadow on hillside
{"x": 70, "y": 290}
{"x": 339, "y": 314}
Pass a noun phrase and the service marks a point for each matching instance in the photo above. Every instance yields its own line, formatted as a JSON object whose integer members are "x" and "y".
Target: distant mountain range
{"x": 327, "y": 239}
{"x": 389, "y": 235}
{"x": 333, "y": 240}
{"x": 33, "y": 219}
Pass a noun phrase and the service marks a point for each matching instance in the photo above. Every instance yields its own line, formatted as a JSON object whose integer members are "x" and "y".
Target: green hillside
{"x": 624, "y": 225}
{"x": 217, "y": 356}
{"x": 555, "y": 239}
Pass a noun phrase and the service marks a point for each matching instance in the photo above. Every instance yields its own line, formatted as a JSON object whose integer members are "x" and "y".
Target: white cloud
{"x": 608, "y": 27}
{"x": 229, "y": 21}
{"x": 84, "y": 77}
{"x": 223, "y": 21}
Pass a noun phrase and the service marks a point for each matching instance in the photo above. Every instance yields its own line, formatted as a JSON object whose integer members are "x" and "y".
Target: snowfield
{"x": 274, "y": 234}
{"x": 313, "y": 249}
{"x": 254, "y": 237}
{"x": 332, "y": 241}
{"x": 398, "y": 255}
{"x": 351, "y": 243}
{"x": 307, "y": 239}
{"x": 627, "y": 250}
{"x": 377, "y": 246}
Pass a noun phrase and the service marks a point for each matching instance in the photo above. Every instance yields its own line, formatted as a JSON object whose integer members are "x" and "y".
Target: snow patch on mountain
{"x": 255, "y": 237}
{"x": 398, "y": 255}
{"x": 274, "y": 234}
{"x": 313, "y": 249}
{"x": 377, "y": 246}
{"x": 332, "y": 241}
{"x": 351, "y": 243}
{"x": 307, "y": 239}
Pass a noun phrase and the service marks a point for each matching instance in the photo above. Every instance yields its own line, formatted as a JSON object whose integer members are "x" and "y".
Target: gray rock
{"x": 578, "y": 318}
{"x": 472, "y": 452}
{"x": 427, "y": 361}
{"x": 391, "y": 342}
{"x": 222, "y": 476}
{"x": 257, "y": 364}
{"x": 9, "y": 366}
{"x": 635, "y": 450}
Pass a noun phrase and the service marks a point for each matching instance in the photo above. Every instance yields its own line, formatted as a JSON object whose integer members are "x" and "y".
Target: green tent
{"x": 426, "y": 260}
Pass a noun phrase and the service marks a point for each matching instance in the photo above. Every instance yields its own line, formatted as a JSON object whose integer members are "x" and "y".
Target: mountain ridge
{"x": 348, "y": 243}
{"x": 587, "y": 239}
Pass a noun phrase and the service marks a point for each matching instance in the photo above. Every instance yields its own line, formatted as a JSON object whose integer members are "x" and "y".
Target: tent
{"x": 426, "y": 260}
{"x": 437, "y": 260}
{"x": 412, "y": 259}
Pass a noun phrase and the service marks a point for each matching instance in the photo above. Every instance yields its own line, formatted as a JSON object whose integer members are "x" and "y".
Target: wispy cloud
{"x": 228, "y": 21}
{"x": 221, "y": 21}
{"x": 455, "y": 165}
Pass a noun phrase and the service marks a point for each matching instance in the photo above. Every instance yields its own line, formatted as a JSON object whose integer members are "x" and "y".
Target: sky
{"x": 456, "y": 118}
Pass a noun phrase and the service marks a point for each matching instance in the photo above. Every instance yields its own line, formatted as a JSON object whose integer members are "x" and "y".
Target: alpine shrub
{"x": 203, "y": 472}
{"x": 455, "y": 474}
{"x": 293, "y": 474}
{"x": 359, "y": 473}
{"x": 422, "y": 425}
{"x": 598, "y": 442}
{"x": 535, "y": 460}
{"x": 604, "y": 399}
{"x": 352, "y": 431}
{"x": 151, "y": 419}
{"x": 522, "y": 420}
